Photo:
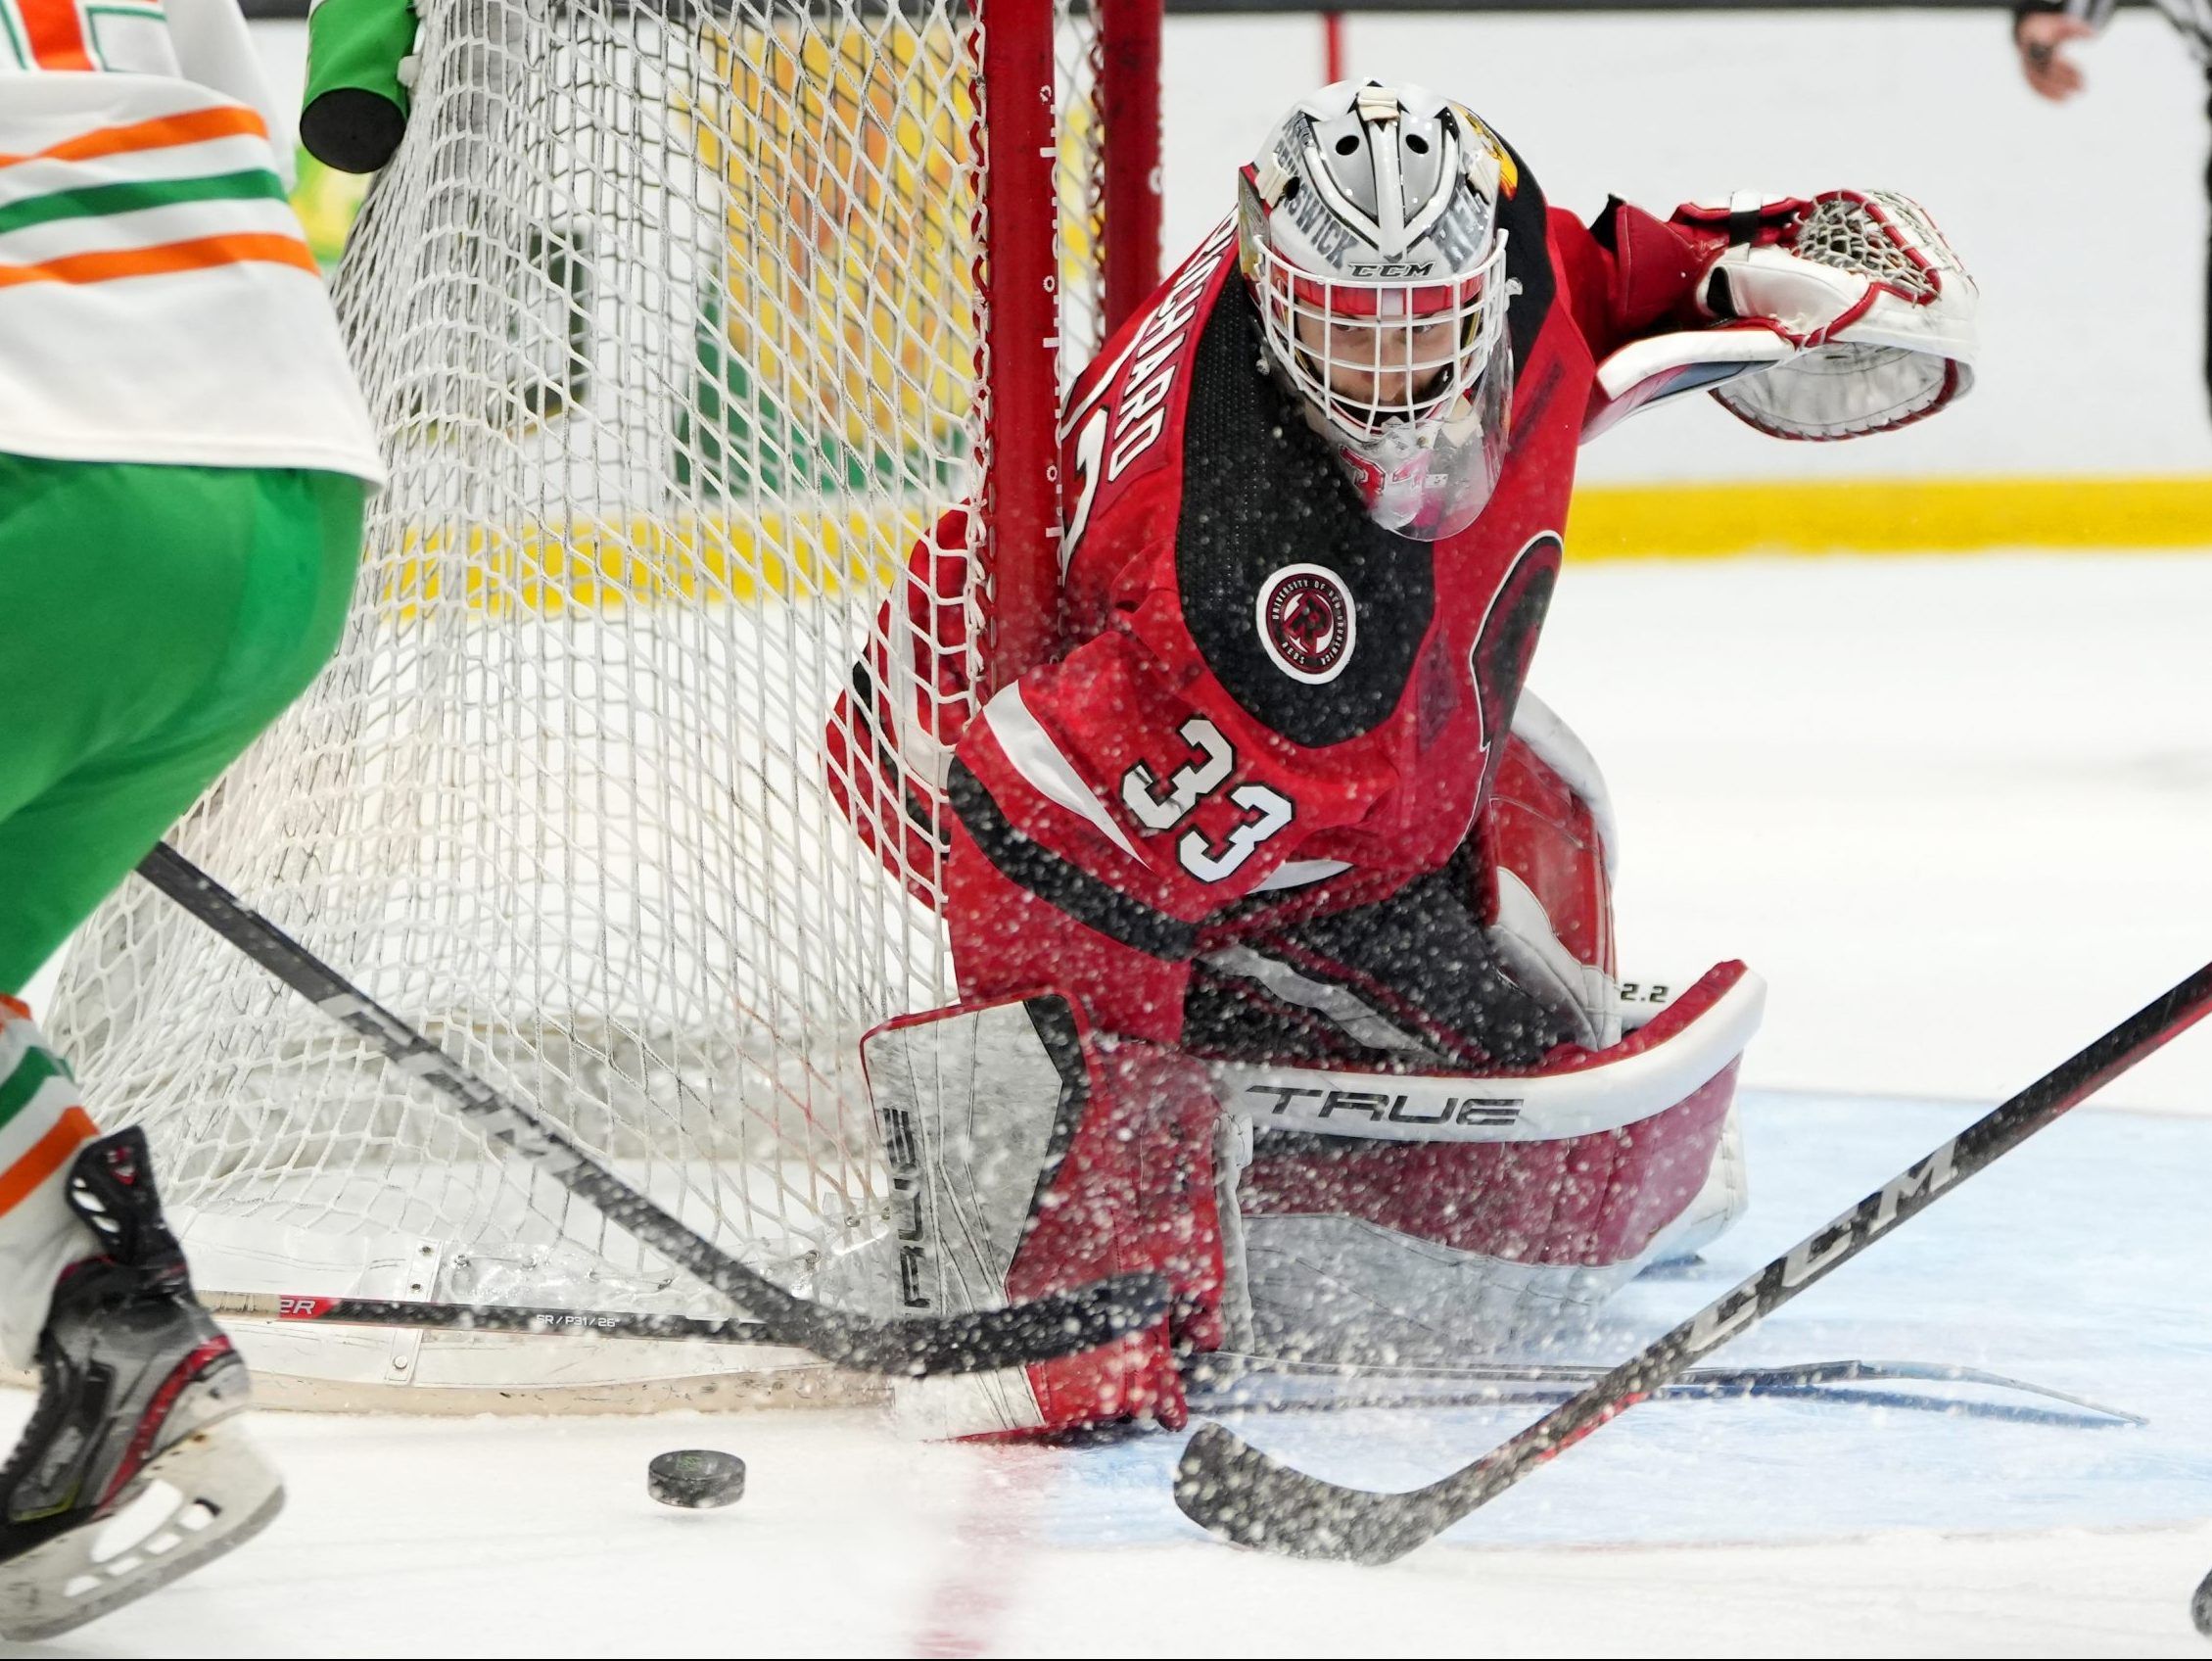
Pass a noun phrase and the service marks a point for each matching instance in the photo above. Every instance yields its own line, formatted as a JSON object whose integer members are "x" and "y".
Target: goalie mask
{"x": 1369, "y": 234}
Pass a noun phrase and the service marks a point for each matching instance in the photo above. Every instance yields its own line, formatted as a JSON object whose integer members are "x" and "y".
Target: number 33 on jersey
{"x": 1256, "y": 811}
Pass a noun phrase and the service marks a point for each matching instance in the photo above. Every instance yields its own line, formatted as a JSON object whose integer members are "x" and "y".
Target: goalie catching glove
{"x": 1823, "y": 317}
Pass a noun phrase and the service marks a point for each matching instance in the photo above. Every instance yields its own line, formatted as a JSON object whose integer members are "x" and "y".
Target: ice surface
{"x": 1960, "y": 811}
{"x": 1692, "y": 1526}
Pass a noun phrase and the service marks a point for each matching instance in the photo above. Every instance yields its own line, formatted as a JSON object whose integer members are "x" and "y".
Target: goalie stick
{"x": 1221, "y": 1381}
{"x": 1238, "y": 1383}
{"x": 1229, "y": 1486}
{"x": 309, "y": 1307}
{"x": 913, "y": 1347}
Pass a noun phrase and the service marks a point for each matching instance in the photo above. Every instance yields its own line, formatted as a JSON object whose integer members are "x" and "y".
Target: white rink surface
{"x": 1957, "y": 812}
{"x": 1689, "y": 1528}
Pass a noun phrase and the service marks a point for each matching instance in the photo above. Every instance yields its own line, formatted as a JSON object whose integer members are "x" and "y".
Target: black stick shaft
{"x": 1230, "y": 1488}
{"x": 478, "y": 1317}
{"x": 1051, "y": 1326}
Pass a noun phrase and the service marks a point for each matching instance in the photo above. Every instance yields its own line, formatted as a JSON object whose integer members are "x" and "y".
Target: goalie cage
{"x": 680, "y": 324}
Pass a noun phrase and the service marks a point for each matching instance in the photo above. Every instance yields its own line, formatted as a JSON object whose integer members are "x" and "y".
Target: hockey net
{"x": 680, "y": 324}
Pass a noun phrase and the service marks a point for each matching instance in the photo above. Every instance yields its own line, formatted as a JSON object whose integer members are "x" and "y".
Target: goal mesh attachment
{"x": 675, "y": 321}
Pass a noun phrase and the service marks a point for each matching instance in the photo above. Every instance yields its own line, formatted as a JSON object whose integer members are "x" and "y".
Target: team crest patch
{"x": 1307, "y": 622}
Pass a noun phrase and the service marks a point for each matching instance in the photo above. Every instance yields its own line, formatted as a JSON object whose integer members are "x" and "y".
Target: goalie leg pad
{"x": 1365, "y": 1249}
{"x": 1423, "y": 1213}
{"x": 1026, "y": 1156}
{"x": 1543, "y": 863}
{"x": 1490, "y": 961}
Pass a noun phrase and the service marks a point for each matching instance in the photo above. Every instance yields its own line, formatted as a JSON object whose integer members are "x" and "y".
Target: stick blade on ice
{"x": 1244, "y": 1497}
{"x": 1248, "y": 1499}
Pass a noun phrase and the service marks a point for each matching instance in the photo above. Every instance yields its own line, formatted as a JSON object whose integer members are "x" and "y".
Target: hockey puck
{"x": 2200, "y": 1606}
{"x": 696, "y": 1479}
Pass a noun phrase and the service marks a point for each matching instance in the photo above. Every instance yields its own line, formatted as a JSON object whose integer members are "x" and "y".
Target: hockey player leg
{"x": 1547, "y": 841}
{"x": 1437, "y": 1215}
{"x": 154, "y": 620}
{"x": 1027, "y": 1156}
{"x": 1546, "y": 838}
{"x": 158, "y": 618}
{"x": 1437, "y": 1194}
{"x": 1543, "y": 854}
{"x": 130, "y": 1472}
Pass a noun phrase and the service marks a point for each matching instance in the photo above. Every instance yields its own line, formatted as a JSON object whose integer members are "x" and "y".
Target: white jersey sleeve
{"x": 159, "y": 301}
{"x": 215, "y": 49}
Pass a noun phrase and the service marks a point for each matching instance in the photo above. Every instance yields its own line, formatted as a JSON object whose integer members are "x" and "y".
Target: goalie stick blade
{"x": 1228, "y": 1487}
{"x": 1060, "y": 1324}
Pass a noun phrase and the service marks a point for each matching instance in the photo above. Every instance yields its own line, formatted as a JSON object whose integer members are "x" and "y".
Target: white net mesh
{"x": 1079, "y": 184}
{"x": 669, "y": 318}
{"x": 1844, "y": 388}
{"x": 1842, "y": 229}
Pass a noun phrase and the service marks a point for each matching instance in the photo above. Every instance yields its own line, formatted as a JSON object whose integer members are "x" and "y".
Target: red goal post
{"x": 1029, "y": 354}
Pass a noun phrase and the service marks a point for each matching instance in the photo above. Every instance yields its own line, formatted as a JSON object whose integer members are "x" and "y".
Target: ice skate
{"x": 133, "y": 1469}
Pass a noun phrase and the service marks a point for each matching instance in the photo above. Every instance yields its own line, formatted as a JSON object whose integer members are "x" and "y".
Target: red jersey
{"x": 1261, "y": 689}
{"x": 1212, "y": 821}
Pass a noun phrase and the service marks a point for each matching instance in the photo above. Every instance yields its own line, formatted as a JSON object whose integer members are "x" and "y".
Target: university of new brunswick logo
{"x": 1307, "y": 622}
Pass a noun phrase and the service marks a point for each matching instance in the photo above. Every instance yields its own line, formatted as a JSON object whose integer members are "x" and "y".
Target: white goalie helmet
{"x": 1369, "y": 234}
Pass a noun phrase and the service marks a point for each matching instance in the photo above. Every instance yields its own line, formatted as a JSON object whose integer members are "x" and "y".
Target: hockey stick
{"x": 1219, "y": 1381}
{"x": 1057, "y": 1325}
{"x": 1690, "y": 1388}
{"x": 1230, "y": 1387}
{"x": 303, "y": 1306}
{"x": 1240, "y": 1493}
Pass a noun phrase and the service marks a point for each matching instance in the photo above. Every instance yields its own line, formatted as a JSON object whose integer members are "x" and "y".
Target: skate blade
{"x": 220, "y": 1492}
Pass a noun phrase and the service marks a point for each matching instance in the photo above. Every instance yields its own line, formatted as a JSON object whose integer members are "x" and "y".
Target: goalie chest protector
{"x": 1206, "y": 517}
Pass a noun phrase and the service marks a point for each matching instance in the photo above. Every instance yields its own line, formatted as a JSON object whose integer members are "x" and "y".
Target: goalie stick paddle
{"x": 913, "y": 1346}
{"x": 1229, "y": 1486}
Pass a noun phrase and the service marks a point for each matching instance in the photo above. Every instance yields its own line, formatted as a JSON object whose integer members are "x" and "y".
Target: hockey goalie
{"x": 1281, "y": 911}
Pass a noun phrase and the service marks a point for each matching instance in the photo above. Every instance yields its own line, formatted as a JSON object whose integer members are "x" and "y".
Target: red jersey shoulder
{"x": 1121, "y": 433}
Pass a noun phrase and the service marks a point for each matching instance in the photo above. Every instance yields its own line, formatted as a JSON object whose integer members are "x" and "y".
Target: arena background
{"x": 2085, "y": 224}
{"x": 1955, "y": 809}
{"x": 1946, "y": 785}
